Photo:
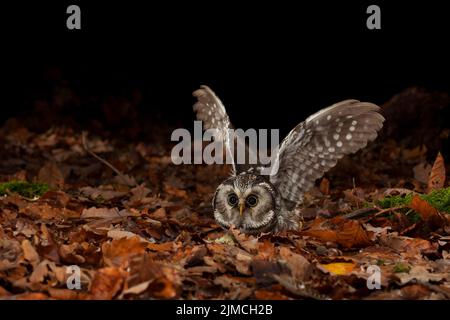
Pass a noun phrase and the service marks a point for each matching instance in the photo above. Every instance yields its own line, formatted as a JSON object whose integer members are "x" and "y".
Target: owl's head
{"x": 247, "y": 201}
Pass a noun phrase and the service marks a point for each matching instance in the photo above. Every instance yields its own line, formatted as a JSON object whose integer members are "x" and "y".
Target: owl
{"x": 256, "y": 203}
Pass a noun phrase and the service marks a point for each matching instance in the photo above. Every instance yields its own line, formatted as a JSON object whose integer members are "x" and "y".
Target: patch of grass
{"x": 24, "y": 188}
{"x": 401, "y": 267}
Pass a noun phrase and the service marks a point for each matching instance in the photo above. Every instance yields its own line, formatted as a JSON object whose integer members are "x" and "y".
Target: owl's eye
{"x": 252, "y": 200}
{"x": 232, "y": 199}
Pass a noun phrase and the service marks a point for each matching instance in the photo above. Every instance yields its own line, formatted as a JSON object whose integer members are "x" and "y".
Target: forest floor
{"x": 376, "y": 227}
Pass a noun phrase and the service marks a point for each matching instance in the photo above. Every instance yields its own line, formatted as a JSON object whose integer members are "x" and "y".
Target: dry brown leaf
{"x": 68, "y": 253}
{"x": 51, "y": 174}
{"x": 119, "y": 234}
{"x": 299, "y": 265}
{"x": 102, "y": 212}
{"x": 427, "y": 212}
{"x": 325, "y": 186}
{"x": 161, "y": 247}
{"x": 422, "y": 274}
{"x": 119, "y": 252}
{"x": 29, "y": 252}
{"x": 437, "y": 176}
{"x": 347, "y": 233}
{"x": 247, "y": 242}
{"x": 408, "y": 246}
{"x": 107, "y": 283}
{"x": 422, "y": 172}
{"x": 47, "y": 247}
{"x": 30, "y": 296}
{"x": 46, "y": 212}
{"x": 106, "y": 195}
{"x": 62, "y": 294}
{"x": 273, "y": 294}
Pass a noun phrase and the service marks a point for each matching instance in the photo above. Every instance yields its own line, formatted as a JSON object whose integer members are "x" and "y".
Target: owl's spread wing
{"x": 212, "y": 113}
{"x": 315, "y": 145}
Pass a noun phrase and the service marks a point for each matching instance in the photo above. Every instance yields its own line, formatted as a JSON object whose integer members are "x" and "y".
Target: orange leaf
{"x": 119, "y": 252}
{"x": 436, "y": 179}
{"x": 339, "y": 268}
{"x": 427, "y": 212}
{"x": 106, "y": 283}
{"x": 325, "y": 186}
{"x": 347, "y": 233}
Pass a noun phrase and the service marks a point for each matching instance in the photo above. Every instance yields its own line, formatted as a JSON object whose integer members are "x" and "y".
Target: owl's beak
{"x": 241, "y": 207}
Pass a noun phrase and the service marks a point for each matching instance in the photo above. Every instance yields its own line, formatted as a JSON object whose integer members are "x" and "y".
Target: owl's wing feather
{"x": 211, "y": 111}
{"x": 315, "y": 145}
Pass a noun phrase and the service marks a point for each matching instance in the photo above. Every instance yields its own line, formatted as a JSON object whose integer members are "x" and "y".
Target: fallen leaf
{"x": 247, "y": 242}
{"x": 270, "y": 295}
{"x": 339, "y": 268}
{"x": 63, "y": 294}
{"x": 421, "y": 274}
{"x": 51, "y": 174}
{"x": 437, "y": 176}
{"x": 408, "y": 246}
{"x": 101, "y": 194}
{"x": 347, "y": 233}
{"x": 119, "y": 234}
{"x": 164, "y": 247}
{"x": 299, "y": 265}
{"x": 46, "y": 212}
{"x": 107, "y": 283}
{"x": 102, "y": 212}
{"x": 119, "y": 252}
{"x": 422, "y": 172}
{"x": 427, "y": 212}
{"x": 29, "y": 252}
{"x": 325, "y": 186}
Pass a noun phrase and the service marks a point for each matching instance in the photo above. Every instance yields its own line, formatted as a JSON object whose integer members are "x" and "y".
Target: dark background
{"x": 272, "y": 63}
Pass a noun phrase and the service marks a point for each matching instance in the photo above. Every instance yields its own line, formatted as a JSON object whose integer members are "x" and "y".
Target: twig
{"x": 85, "y": 147}
{"x": 358, "y": 212}
{"x": 379, "y": 213}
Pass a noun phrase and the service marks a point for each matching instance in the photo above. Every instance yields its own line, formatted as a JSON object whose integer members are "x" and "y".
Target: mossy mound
{"x": 440, "y": 199}
{"x": 24, "y": 188}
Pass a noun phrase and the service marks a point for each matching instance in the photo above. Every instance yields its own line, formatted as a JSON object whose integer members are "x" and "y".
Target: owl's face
{"x": 247, "y": 201}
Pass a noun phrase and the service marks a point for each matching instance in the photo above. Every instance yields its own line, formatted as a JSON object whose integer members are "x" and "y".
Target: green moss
{"x": 401, "y": 267}
{"x": 395, "y": 201}
{"x": 380, "y": 262}
{"x": 24, "y": 188}
{"x": 440, "y": 199}
{"x": 413, "y": 216}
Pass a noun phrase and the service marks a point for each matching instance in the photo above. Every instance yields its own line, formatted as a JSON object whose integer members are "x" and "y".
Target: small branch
{"x": 357, "y": 213}
{"x": 85, "y": 147}
{"x": 379, "y": 213}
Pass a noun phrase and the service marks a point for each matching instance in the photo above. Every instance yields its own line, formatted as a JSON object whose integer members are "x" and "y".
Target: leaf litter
{"x": 146, "y": 231}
